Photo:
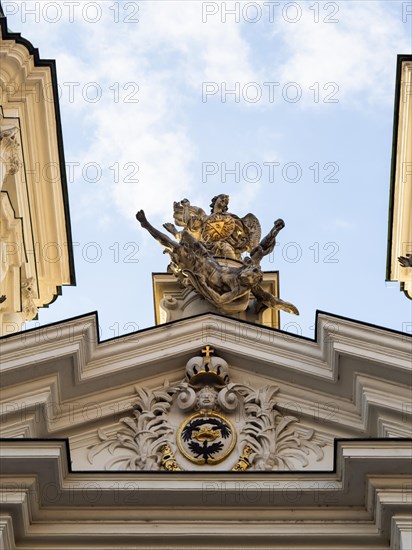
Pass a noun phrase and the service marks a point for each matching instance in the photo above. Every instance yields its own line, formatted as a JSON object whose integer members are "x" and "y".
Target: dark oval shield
{"x": 206, "y": 438}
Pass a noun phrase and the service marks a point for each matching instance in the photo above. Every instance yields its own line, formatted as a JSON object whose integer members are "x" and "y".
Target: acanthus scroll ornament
{"x": 10, "y": 149}
{"x": 269, "y": 436}
{"x": 144, "y": 435}
{"x": 29, "y": 294}
{"x": 222, "y": 416}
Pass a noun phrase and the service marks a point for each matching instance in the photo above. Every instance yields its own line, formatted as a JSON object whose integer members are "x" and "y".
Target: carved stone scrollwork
{"x": 223, "y": 416}
{"x": 228, "y": 399}
{"x": 186, "y": 398}
{"x": 269, "y": 434}
{"x": 29, "y": 293}
{"x": 145, "y": 434}
{"x": 169, "y": 302}
{"x": 10, "y": 150}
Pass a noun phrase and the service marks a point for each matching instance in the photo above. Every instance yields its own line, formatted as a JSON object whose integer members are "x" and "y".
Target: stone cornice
{"x": 255, "y": 348}
{"x": 74, "y": 371}
{"x": 50, "y": 504}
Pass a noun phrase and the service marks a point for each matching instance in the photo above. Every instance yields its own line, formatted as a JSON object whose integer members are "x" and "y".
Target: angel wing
{"x": 252, "y": 225}
{"x": 184, "y": 213}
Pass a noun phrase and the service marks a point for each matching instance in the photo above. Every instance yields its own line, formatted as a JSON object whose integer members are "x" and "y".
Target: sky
{"x": 285, "y": 106}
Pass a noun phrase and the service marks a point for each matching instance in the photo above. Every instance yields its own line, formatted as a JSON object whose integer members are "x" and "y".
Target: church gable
{"x": 128, "y": 404}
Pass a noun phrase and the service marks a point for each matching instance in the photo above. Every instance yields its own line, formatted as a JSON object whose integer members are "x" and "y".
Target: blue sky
{"x": 308, "y": 133}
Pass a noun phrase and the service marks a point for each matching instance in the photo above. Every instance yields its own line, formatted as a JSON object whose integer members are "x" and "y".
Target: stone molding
{"x": 32, "y": 173}
{"x": 74, "y": 371}
{"x": 359, "y": 502}
{"x": 399, "y": 256}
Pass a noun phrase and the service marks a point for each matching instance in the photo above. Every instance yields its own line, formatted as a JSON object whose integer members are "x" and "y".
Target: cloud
{"x": 358, "y": 53}
{"x": 160, "y": 62}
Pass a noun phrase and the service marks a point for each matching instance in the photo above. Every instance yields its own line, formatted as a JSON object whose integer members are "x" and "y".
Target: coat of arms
{"x": 205, "y": 421}
{"x": 206, "y": 438}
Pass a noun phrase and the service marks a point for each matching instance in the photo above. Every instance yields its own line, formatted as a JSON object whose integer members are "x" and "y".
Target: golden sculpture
{"x": 168, "y": 460}
{"x": 207, "y": 255}
{"x": 243, "y": 463}
{"x": 223, "y": 234}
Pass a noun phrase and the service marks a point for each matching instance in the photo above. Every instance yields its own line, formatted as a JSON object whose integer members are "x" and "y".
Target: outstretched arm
{"x": 267, "y": 244}
{"x": 160, "y": 237}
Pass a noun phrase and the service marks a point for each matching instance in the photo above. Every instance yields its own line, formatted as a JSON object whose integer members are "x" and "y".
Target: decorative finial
{"x": 207, "y": 352}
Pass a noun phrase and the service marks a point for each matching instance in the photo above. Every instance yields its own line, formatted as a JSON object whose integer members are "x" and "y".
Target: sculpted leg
{"x": 266, "y": 299}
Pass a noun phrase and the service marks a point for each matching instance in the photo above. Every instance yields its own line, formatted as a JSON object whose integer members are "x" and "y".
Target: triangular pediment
{"x": 349, "y": 382}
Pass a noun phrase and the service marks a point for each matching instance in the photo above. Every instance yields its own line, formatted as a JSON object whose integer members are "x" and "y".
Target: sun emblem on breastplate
{"x": 218, "y": 227}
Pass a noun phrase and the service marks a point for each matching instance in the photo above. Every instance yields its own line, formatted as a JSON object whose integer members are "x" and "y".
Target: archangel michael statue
{"x": 218, "y": 255}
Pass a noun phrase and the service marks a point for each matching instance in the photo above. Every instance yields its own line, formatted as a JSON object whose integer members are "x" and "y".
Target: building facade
{"x": 399, "y": 259}
{"x": 36, "y": 244}
{"x": 212, "y": 429}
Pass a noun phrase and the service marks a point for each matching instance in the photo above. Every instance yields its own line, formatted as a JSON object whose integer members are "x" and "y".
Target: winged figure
{"x": 196, "y": 252}
{"x": 223, "y": 234}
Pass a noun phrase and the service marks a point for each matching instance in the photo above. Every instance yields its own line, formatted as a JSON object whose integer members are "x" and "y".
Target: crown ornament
{"x": 207, "y": 369}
